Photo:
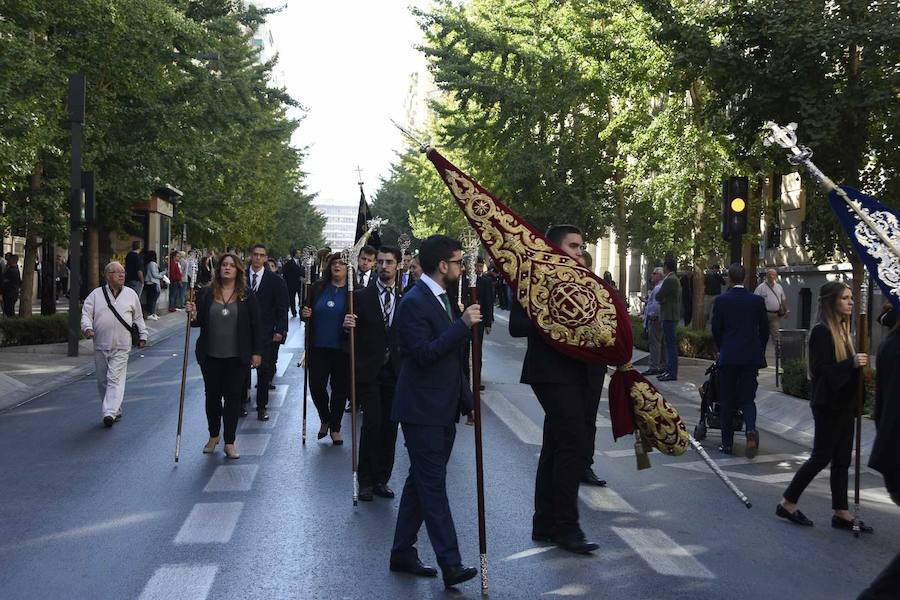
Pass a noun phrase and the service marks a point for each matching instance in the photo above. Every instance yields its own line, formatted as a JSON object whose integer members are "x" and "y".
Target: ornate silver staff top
{"x": 350, "y": 256}
{"x": 871, "y": 228}
{"x": 308, "y": 258}
{"x": 471, "y": 243}
{"x": 404, "y": 242}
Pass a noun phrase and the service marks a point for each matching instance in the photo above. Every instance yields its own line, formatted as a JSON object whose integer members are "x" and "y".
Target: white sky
{"x": 349, "y": 63}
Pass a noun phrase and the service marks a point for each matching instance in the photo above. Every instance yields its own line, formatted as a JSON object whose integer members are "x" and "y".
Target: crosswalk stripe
{"x": 605, "y": 500}
{"x": 529, "y": 552}
{"x": 570, "y": 589}
{"x": 517, "y": 421}
{"x": 210, "y": 523}
{"x": 253, "y": 444}
{"x": 662, "y": 553}
{"x": 180, "y": 582}
{"x": 284, "y": 361}
{"x": 253, "y": 423}
{"x": 277, "y": 396}
{"x": 232, "y": 478}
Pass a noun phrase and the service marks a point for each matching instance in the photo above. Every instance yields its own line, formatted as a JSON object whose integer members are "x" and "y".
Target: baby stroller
{"x": 710, "y": 409}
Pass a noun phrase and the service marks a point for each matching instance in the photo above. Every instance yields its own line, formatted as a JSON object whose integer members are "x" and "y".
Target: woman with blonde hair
{"x": 230, "y": 341}
{"x": 834, "y": 367}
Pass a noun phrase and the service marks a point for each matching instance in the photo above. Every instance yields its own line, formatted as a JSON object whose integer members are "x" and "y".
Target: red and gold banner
{"x": 574, "y": 310}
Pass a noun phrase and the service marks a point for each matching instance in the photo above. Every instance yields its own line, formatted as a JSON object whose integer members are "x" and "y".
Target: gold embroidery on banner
{"x": 657, "y": 420}
{"x": 561, "y": 296}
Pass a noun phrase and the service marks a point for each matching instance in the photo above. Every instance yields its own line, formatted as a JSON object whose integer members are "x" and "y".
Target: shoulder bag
{"x": 133, "y": 328}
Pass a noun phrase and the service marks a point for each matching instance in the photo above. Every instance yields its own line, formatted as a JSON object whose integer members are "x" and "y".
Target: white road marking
{"x": 252, "y": 423}
{"x": 662, "y": 553}
{"x": 529, "y": 552}
{"x": 277, "y": 396}
{"x": 572, "y": 589}
{"x": 85, "y": 530}
{"x": 603, "y": 421}
{"x": 605, "y": 500}
{"x": 501, "y": 317}
{"x": 210, "y": 523}
{"x": 878, "y": 495}
{"x": 232, "y": 478}
{"x": 253, "y": 444}
{"x": 177, "y": 582}
{"x": 617, "y": 453}
{"x": 517, "y": 421}
{"x": 284, "y": 361}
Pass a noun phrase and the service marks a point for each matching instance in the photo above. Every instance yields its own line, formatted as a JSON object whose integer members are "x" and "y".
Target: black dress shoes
{"x": 723, "y": 449}
{"x": 752, "y": 448}
{"x": 591, "y": 478}
{"x": 541, "y": 536}
{"x": 667, "y": 377}
{"x": 365, "y": 493}
{"x": 458, "y": 574}
{"x": 839, "y": 523}
{"x": 576, "y": 543}
{"x": 108, "y": 421}
{"x": 413, "y": 566}
{"x": 271, "y": 386}
{"x": 649, "y": 372}
{"x": 262, "y": 415}
{"x": 243, "y": 410}
{"x": 382, "y": 489}
{"x": 795, "y": 517}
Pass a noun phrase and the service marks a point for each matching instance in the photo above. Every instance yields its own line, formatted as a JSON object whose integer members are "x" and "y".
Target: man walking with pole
{"x": 271, "y": 293}
{"x": 134, "y": 268}
{"x": 108, "y": 316}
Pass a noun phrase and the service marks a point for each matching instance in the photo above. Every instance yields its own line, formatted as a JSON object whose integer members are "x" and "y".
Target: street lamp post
{"x": 76, "y": 204}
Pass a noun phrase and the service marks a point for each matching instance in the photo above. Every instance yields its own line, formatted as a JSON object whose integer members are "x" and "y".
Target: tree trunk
{"x": 26, "y": 295}
{"x": 622, "y": 240}
{"x": 93, "y": 258}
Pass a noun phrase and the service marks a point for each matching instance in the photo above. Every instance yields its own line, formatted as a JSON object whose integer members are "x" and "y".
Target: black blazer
{"x": 740, "y": 327}
{"x": 484, "y": 290}
{"x": 545, "y": 364}
{"x": 885, "y": 456}
{"x": 248, "y": 324}
{"x": 833, "y": 383}
{"x": 372, "y": 337}
{"x": 273, "y": 304}
{"x": 292, "y": 273}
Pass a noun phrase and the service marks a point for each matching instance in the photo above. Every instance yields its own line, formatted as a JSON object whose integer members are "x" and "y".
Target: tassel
{"x": 643, "y": 461}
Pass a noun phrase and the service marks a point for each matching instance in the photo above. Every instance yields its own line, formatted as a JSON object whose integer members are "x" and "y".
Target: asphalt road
{"x": 87, "y": 512}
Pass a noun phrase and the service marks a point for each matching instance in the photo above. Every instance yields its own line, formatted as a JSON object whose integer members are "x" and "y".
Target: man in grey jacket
{"x": 669, "y": 298}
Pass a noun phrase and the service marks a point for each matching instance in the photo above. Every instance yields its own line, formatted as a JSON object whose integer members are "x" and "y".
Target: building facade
{"x": 340, "y": 224}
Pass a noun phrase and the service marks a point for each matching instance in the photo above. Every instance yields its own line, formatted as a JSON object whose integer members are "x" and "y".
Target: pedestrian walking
{"x": 569, "y": 391}
{"x": 175, "y": 274}
{"x": 834, "y": 366}
{"x": 109, "y": 316}
{"x": 776, "y": 304}
{"x": 653, "y": 325}
{"x": 10, "y": 284}
{"x": 151, "y": 284}
{"x": 293, "y": 275}
{"x": 484, "y": 290}
{"x": 206, "y": 268}
{"x": 271, "y": 293}
{"x": 885, "y": 456}
{"x": 134, "y": 268}
{"x": 669, "y": 298}
{"x": 740, "y": 329}
{"x": 377, "y": 366}
{"x": 328, "y": 363}
{"x": 713, "y": 282}
{"x": 431, "y": 395}
{"x": 62, "y": 277}
{"x": 229, "y": 343}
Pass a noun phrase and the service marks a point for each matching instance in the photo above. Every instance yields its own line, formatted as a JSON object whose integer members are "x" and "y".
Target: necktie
{"x": 362, "y": 277}
{"x": 388, "y": 295}
{"x": 446, "y": 302}
{"x": 253, "y": 283}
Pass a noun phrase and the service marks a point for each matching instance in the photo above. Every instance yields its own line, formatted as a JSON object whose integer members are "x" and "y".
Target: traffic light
{"x": 734, "y": 208}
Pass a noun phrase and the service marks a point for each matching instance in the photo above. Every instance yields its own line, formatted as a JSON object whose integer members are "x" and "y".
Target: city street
{"x": 93, "y": 513}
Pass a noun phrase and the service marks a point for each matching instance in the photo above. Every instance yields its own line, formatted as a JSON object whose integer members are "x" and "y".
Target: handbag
{"x": 163, "y": 282}
{"x": 133, "y": 328}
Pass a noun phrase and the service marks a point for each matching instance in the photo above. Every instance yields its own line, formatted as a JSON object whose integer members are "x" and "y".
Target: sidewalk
{"x": 778, "y": 413}
{"x": 27, "y": 372}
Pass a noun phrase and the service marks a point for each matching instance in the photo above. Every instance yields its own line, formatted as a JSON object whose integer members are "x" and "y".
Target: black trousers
{"x": 10, "y": 296}
{"x": 295, "y": 292}
{"x": 329, "y": 366}
{"x": 564, "y": 455}
{"x": 591, "y": 422}
{"x": 737, "y": 389}
{"x": 224, "y": 380}
{"x": 378, "y": 436}
{"x": 266, "y": 372}
{"x": 832, "y": 443}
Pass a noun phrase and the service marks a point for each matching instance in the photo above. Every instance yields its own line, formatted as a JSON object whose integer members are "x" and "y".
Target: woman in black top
{"x": 230, "y": 340}
{"x": 834, "y": 366}
{"x": 328, "y": 360}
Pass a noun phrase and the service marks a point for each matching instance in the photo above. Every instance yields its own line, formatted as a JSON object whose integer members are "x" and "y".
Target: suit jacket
{"x": 431, "y": 387}
{"x": 271, "y": 293}
{"x": 484, "y": 290}
{"x": 292, "y": 273}
{"x": 545, "y": 364}
{"x": 740, "y": 327}
{"x": 250, "y": 339}
{"x": 833, "y": 384}
{"x": 885, "y": 456}
{"x": 373, "y": 338}
{"x": 669, "y": 298}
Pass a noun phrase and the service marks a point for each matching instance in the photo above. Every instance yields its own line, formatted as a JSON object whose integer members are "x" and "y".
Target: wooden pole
{"x": 305, "y": 357}
{"x": 479, "y": 455}
{"x": 184, "y": 364}
{"x": 352, "y": 389}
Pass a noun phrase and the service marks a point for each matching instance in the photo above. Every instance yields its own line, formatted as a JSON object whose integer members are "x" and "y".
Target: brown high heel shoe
{"x": 210, "y": 446}
{"x": 336, "y": 441}
{"x": 231, "y": 452}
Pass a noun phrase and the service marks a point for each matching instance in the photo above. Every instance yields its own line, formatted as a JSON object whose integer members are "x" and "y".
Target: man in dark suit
{"x": 740, "y": 327}
{"x": 484, "y": 291}
{"x": 271, "y": 293}
{"x": 430, "y": 396}
{"x": 377, "y": 366}
{"x": 365, "y": 267}
{"x": 292, "y": 275}
{"x": 569, "y": 391}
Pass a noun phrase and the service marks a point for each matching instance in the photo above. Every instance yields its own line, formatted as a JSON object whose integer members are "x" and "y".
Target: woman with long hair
{"x": 834, "y": 367}
{"x": 230, "y": 341}
{"x": 328, "y": 361}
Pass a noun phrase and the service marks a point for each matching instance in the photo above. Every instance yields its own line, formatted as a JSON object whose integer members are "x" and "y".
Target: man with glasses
{"x": 271, "y": 293}
{"x": 569, "y": 392}
{"x": 377, "y": 365}
{"x": 431, "y": 394}
{"x": 107, "y": 317}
